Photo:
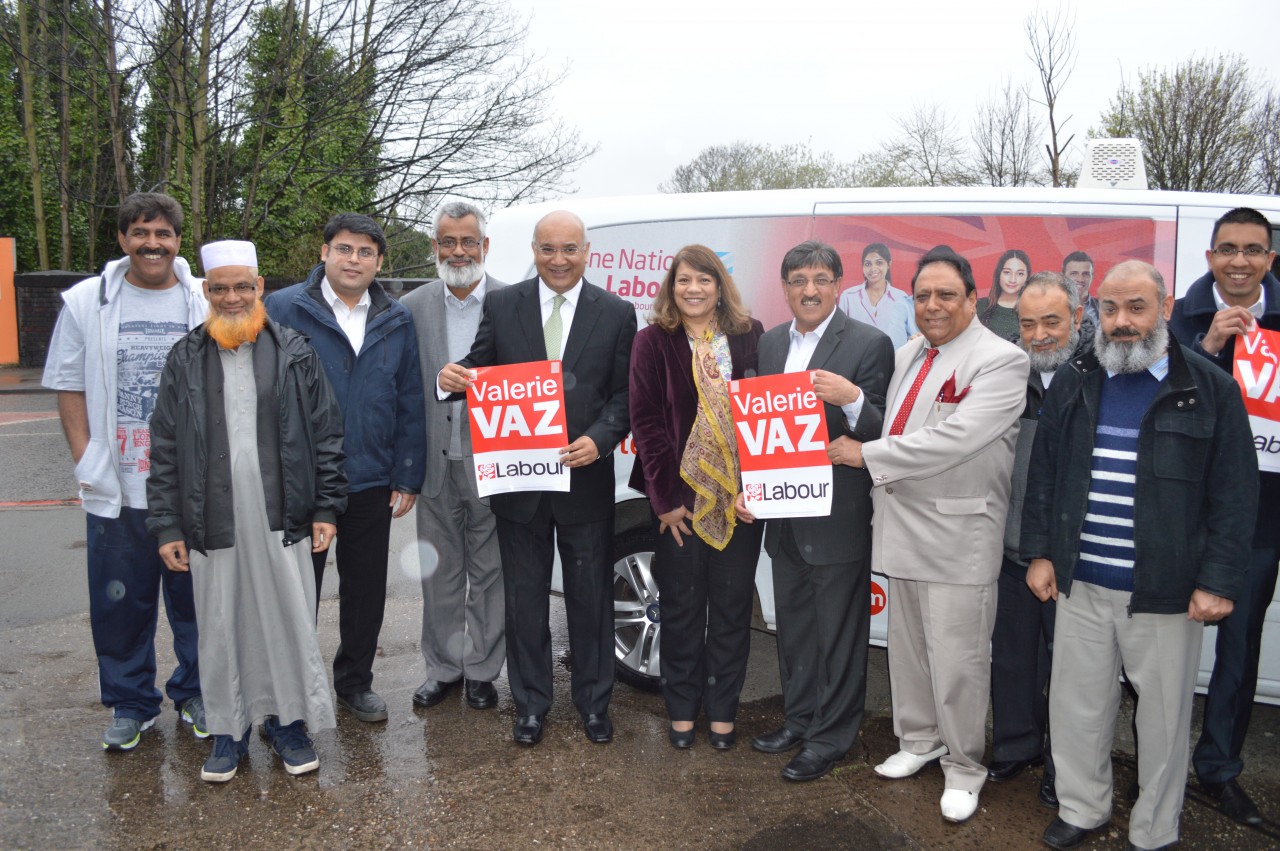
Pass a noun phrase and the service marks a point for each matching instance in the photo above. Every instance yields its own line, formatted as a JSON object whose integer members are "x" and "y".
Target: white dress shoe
{"x": 958, "y": 805}
{"x": 904, "y": 764}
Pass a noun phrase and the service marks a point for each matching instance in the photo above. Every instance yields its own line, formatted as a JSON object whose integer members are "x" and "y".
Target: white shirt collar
{"x": 819, "y": 331}
{"x": 332, "y": 297}
{"x": 1257, "y": 308}
{"x": 545, "y": 293}
{"x": 477, "y": 293}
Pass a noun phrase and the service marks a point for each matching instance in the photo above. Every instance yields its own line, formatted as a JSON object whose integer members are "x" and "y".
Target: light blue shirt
{"x": 895, "y": 315}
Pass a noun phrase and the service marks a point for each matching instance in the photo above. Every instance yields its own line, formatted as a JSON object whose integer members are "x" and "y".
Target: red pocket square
{"x": 948, "y": 394}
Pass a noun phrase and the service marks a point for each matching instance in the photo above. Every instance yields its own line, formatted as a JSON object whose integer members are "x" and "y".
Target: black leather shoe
{"x": 365, "y": 705}
{"x": 527, "y": 730}
{"x": 999, "y": 772}
{"x": 1233, "y": 801}
{"x": 1048, "y": 793}
{"x": 807, "y": 765}
{"x": 432, "y": 692}
{"x": 1059, "y": 834}
{"x": 598, "y": 728}
{"x": 780, "y": 740}
{"x": 682, "y": 739}
{"x": 722, "y": 741}
{"x": 481, "y": 695}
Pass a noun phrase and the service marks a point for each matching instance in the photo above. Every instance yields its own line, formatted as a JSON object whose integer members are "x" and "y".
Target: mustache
{"x": 1123, "y": 332}
{"x": 810, "y": 301}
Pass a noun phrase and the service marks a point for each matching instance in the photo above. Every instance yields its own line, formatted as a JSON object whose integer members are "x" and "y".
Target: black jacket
{"x": 189, "y": 492}
{"x": 1192, "y": 316}
{"x": 1196, "y": 482}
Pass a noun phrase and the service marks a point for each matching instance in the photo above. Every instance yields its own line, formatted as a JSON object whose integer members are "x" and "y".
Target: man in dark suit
{"x": 462, "y": 619}
{"x": 822, "y": 565}
{"x": 558, "y": 315}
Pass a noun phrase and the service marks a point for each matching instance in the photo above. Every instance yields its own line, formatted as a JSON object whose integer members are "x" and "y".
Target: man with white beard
{"x": 1049, "y": 331}
{"x": 462, "y": 595}
{"x": 1140, "y": 548}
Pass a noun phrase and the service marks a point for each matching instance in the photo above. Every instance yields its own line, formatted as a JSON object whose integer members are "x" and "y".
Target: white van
{"x": 633, "y": 240}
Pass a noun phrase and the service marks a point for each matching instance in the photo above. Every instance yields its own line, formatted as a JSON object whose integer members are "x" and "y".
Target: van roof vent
{"x": 1113, "y": 164}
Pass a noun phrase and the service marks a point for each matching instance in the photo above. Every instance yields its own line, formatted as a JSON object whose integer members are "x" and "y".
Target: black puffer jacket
{"x": 188, "y": 490}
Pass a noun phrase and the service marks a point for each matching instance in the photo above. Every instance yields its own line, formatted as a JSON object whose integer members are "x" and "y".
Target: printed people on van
{"x": 876, "y": 301}
{"x": 822, "y": 565}
{"x": 1077, "y": 267}
{"x": 558, "y": 315}
{"x": 1010, "y": 276}
{"x": 246, "y": 485}
{"x": 1141, "y": 546}
{"x": 108, "y": 348}
{"x": 941, "y": 473}
{"x": 462, "y": 611}
{"x": 1049, "y": 315}
{"x": 699, "y": 338}
{"x": 1237, "y": 294}
{"x": 369, "y": 349}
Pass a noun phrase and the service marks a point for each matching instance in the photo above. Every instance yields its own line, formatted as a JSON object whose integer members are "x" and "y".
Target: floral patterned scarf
{"x": 710, "y": 461}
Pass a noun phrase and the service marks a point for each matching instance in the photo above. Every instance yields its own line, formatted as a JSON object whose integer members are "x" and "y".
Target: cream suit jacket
{"x": 941, "y": 488}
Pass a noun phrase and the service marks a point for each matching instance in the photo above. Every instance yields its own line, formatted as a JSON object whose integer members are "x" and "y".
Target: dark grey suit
{"x": 822, "y": 565}
{"x": 462, "y": 606}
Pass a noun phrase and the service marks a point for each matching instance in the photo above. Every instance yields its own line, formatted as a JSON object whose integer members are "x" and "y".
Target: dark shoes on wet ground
{"x": 682, "y": 739}
{"x": 292, "y": 744}
{"x": 527, "y": 730}
{"x": 599, "y": 728}
{"x": 481, "y": 695}
{"x": 722, "y": 741}
{"x": 1060, "y": 835}
{"x": 807, "y": 765}
{"x": 125, "y": 733}
{"x": 1048, "y": 794}
{"x": 432, "y": 692}
{"x": 1233, "y": 801}
{"x": 365, "y": 705}
{"x": 999, "y": 772}
{"x": 225, "y": 759}
{"x": 779, "y": 741}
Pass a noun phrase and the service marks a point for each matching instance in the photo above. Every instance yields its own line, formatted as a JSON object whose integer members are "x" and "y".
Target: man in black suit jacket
{"x": 822, "y": 565}
{"x": 593, "y": 342}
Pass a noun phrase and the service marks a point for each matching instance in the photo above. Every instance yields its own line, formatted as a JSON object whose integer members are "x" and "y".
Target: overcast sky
{"x": 652, "y": 83}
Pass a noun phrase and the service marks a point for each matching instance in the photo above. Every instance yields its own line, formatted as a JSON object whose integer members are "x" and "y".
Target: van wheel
{"x": 637, "y": 625}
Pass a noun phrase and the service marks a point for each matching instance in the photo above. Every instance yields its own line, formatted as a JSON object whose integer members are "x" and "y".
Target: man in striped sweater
{"x": 1141, "y": 495}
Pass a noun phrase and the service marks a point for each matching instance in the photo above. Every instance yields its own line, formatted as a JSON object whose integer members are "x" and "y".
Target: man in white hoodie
{"x": 108, "y": 348}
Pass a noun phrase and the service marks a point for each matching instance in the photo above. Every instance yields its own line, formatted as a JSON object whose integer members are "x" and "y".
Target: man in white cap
{"x": 246, "y": 483}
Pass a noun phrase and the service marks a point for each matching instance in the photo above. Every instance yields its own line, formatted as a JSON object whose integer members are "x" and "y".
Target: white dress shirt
{"x": 800, "y": 352}
{"x": 350, "y": 319}
{"x": 546, "y": 297}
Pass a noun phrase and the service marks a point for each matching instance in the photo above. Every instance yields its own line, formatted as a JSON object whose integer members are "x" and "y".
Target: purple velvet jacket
{"x": 664, "y": 405}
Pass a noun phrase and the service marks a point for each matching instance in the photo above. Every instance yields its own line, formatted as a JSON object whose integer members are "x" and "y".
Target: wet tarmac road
{"x": 450, "y": 777}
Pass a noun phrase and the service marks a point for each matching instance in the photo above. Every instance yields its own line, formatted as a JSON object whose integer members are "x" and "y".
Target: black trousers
{"x": 706, "y": 596}
{"x": 528, "y": 554}
{"x": 824, "y": 628}
{"x": 1021, "y": 652}
{"x": 364, "y": 536}
{"x": 1229, "y": 702}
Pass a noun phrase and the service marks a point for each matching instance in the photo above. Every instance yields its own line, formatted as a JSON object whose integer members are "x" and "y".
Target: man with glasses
{"x": 1238, "y": 293}
{"x": 369, "y": 349}
{"x": 558, "y": 315}
{"x": 462, "y": 618}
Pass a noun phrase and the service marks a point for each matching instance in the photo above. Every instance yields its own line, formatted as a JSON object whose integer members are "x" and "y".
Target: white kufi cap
{"x": 228, "y": 252}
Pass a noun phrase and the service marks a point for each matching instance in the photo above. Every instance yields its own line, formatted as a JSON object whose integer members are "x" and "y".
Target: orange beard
{"x": 230, "y": 332}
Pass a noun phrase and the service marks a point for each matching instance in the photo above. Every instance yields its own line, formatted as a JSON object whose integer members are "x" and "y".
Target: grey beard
{"x": 1126, "y": 358}
{"x": 460, "y": 277}
{"x": 1050, "y": 361}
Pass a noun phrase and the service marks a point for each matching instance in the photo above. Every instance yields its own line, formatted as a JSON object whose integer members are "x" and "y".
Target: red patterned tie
{"x": 900, "y": 421}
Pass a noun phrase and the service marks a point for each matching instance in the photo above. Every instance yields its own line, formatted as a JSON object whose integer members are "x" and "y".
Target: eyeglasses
{"x": 449, "y": 243}
{"x": 549, "y": 251}
{"x": 345, "y": 250}
{"x": 219, "y": 290}
{"x": 801, "y": 283}
{"x": 1252, "y": 251}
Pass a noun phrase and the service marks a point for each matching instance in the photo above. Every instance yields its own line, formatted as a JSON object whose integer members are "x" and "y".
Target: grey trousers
{"x": 1094, "y": 637}
{"x": 462, "y": 602}
{"x": 940, "y": 673}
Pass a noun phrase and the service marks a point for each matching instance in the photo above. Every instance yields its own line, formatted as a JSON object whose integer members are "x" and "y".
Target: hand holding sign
{"x": 1226, "y": 324}
{"x": 834, "y": 389}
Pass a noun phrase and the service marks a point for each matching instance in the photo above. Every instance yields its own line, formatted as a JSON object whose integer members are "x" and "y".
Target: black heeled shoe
{"x": 682, "y": 739}
{"x": 723, "y": 741}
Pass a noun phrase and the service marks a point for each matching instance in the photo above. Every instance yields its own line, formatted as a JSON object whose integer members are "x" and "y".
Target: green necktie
{"x": 551, "y": 332}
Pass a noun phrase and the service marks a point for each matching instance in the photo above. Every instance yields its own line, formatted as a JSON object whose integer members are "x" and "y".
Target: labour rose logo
{"x": 488, "y": 471}
{"x": 755, "y": 492}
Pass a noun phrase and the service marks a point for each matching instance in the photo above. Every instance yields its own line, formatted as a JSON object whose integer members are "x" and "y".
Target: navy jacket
{"x": 379, "y": 390}
{"x": 1192, "y": 316}
{"x": 1196, "y": 483}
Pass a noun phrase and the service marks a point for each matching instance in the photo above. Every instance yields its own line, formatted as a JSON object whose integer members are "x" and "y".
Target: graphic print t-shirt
{"x": 151, "y": 321}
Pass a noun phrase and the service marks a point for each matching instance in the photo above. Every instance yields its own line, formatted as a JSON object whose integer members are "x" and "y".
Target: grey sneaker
{"x": 192, "y": 712}
{"x": 293, "y": 745}
{"x": 222, "y": 763}
{"x": 125, "y": 733}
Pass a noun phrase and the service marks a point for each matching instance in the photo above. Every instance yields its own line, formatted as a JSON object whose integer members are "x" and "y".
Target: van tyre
{"x": 637, "y": 628}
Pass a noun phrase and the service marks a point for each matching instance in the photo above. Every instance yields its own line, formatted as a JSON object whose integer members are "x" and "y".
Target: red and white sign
{"x": 518, "y": 428}
{"x": 782, "y": 445}
{"x": 1257, "y": 370}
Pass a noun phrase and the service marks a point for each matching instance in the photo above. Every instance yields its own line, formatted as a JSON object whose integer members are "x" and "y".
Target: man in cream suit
{"x": 941, "y": 477}
{"x": 462, "y": 608}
